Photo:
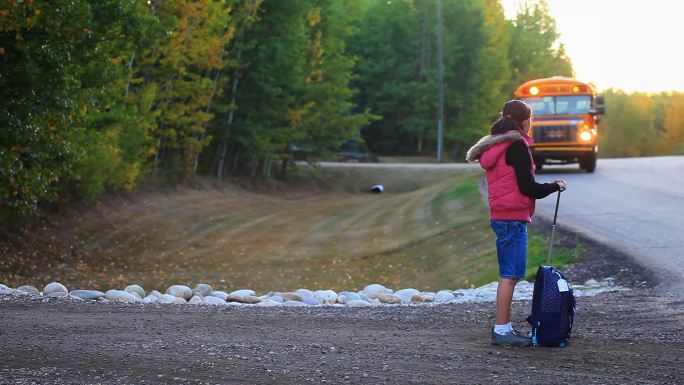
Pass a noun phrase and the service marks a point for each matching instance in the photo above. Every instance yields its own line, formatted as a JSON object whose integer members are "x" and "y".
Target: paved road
{"x": 635, "y": 205}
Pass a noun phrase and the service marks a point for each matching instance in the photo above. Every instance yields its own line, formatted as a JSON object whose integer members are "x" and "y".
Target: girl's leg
{"x": 504, "y": 297}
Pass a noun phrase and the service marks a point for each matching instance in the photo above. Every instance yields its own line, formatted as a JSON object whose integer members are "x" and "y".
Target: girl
{"x": 505, "y": 156}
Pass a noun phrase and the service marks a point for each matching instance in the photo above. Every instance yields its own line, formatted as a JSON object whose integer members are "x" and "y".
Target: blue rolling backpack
{"x": 553, "y": 308}
{"x": 553, "y": 303}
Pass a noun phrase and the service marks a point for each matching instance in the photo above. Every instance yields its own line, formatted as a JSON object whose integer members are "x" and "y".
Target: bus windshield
{"x": 559, "y": 105}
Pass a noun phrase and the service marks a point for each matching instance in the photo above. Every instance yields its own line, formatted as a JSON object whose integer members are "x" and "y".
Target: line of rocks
{"x": 371, "y": 295}
{"x": 203, "y": 294}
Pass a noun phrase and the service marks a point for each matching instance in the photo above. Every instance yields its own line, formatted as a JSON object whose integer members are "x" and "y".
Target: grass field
{"x": 429, "y": 230}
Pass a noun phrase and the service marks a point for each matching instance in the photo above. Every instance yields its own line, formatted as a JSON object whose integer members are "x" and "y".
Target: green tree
{"x": 185, "y": 69}
{"x": 60, "y": 64}
{"x": 398, "y": 79}
{"x": 294, "y": 83}
{"x": 535, "y": 49}
{"x": 477, "y": 70}
{"x": 673, "y": 135}
{"x": 628, "y": 129}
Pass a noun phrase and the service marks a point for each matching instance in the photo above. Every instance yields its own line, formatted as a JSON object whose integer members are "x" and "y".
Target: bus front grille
{"x": 546, "y": 134}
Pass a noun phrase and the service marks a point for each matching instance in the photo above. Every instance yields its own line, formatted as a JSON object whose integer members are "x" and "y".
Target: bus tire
{"x": 588, "y": 163}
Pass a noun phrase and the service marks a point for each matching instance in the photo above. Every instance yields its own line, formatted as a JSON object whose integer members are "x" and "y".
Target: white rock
{"x": 5, "y": 290}
{"x": 220, "y": 294}
{"x": 179, "y": 301}
{"x": 294, "y": 303}
{"x": 444, "y": 296}
{"x": 358, "y": 303}
{"x": 274, "y": 298}
{"x": 305, "y": 293}
{"x": 417, "y": 298}
{"x": 195, "y": 300}
{"x": 167, "y": 298}
{"x": 54, "y": 287}
{"x": 388, "y": 298}
{"x": 120, "y": 296}
{"x": 252, "y": 299}
{"x": 374, "y": 290}
{"x": 406, "y": 294}
{"x": 311, "y": 301}
{"x": 87, "y": 294}
{"x": 180, "y": 291}
{"x": 428, "y": 295}
{"x": 242, "y": 293}
{"x": 203, "y": 289}
{"x": 28, "y": 289}
{"x": 150, "y": 299}
{"x": 210, "y": 300}
{"x": 135, "y": 289}
{"x": 156, "y": 294}
{"x": 268, "y": 303}
{"x": 327, "y": 297}
{"x": 286, "y": 296}
{"x": 346, "y": 296}
{"x": 364, "y": 297}
{"x": 57, "y": 294}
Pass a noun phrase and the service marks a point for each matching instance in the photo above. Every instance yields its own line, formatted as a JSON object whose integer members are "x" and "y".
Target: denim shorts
{"x": 511, "y": 247}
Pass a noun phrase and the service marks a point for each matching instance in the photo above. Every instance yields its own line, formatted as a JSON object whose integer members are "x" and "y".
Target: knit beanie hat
{"x": 517, "y": 110}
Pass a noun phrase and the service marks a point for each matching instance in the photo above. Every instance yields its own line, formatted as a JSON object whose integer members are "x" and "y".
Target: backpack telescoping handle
{"x": 553, "y": 227}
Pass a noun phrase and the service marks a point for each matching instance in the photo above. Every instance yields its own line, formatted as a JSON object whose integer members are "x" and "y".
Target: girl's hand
{"x": 561, "y": 183}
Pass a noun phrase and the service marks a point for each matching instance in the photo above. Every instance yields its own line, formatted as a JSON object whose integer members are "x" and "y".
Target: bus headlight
{"x": 585, "y": 136}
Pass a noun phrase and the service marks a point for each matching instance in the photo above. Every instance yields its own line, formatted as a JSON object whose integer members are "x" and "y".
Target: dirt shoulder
{"x": 621, "y": 338}
{"x": 629, "y": 337}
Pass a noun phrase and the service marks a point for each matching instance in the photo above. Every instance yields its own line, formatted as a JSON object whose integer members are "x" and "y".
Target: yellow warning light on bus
{"x": 534, "y": 90}
{"x": 575, "y": 89}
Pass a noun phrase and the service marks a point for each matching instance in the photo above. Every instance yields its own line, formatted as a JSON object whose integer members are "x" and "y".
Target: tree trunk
{"x": 130, "y": 70}
{"x": 236, "y": 159}
{"x": 283, "y": 168}
{"x": 231, "y": 116}
{"x": 254, "y": 164}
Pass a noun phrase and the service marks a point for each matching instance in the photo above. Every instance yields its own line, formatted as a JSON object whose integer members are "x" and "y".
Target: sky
{"x": 633, "y": 45}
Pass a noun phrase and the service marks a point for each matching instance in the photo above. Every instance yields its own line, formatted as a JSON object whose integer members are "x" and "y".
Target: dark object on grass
{"x": 377, "y": 189}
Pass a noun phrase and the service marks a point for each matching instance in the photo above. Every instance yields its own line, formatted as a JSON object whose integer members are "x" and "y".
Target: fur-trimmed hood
{"x": 473, "y": 155}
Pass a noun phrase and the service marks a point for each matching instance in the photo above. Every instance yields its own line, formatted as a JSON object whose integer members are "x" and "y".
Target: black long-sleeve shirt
{"x": 518, "y": 156}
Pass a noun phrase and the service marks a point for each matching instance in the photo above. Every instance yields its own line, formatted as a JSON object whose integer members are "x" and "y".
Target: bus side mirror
{"x": 599, "y": 106}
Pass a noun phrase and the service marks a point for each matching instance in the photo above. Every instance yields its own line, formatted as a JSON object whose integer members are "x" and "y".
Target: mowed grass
{"x": 429, "y": 230}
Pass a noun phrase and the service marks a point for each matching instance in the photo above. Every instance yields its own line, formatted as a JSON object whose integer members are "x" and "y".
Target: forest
{"x": 106, "y": 95}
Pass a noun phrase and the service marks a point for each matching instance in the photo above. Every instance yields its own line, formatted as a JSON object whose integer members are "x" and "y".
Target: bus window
{"x": 541, "y": 106}
{"x": 579, "y": 104}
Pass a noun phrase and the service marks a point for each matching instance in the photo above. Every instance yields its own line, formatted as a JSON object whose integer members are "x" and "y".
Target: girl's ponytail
{"x": 503, "y": 125}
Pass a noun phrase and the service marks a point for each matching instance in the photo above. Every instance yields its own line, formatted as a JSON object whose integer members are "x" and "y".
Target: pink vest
{"x": 506, "y": 202}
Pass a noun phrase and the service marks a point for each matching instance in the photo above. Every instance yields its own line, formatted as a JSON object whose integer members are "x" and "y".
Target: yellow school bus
{"x": 565, "y": 121}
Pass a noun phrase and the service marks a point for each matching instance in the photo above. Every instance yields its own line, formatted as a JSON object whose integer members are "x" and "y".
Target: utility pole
{"x": 440, "y": 63}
